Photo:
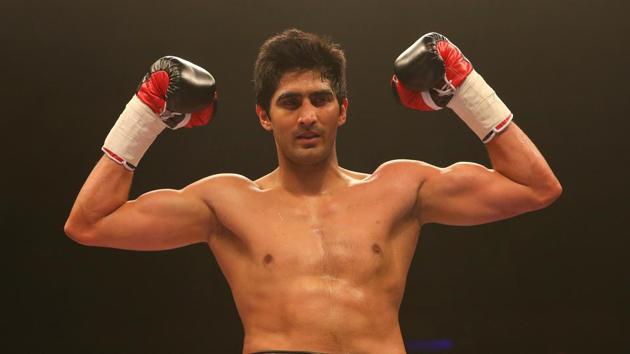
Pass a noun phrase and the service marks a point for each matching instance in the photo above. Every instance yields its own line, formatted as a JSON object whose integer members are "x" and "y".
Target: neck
{"x": 313, "y": 179}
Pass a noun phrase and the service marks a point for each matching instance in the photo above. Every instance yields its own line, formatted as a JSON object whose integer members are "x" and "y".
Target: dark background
{"x": 553, "y": 281}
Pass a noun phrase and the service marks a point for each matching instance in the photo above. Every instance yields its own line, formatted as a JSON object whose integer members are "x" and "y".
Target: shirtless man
{"x": 316, "y": 255}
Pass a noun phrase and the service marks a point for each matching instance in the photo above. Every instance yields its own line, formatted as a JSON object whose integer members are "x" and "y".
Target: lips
{"x": 308, "y": 135}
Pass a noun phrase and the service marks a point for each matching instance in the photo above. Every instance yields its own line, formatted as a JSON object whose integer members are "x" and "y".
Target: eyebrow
{"x": 297, "y": 94}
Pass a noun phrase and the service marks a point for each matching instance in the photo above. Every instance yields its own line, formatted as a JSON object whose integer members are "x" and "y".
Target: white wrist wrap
{"x": 134, "y": 131}
{"x": 476, "y": 103}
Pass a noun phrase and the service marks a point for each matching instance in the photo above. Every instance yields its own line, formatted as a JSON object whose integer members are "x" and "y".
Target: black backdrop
{"x": 553, "y": 281}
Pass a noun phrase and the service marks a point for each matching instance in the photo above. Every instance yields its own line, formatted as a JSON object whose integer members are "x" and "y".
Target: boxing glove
{"x": 174, "y": 93}
{"x": 433, "y": 73}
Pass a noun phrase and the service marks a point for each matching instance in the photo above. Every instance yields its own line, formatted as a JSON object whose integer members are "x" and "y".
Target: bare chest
{"x": 355, "y": 235}
{"x": 329, "y": 238}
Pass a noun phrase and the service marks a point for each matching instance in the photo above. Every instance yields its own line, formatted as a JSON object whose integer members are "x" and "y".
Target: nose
{"x": 307, "y": 116}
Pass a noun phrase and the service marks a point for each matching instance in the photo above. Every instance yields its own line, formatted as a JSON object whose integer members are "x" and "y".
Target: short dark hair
{"x": 295, "y": 50}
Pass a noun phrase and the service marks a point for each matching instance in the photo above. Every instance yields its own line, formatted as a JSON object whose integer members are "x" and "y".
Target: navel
{"x": 377, "y": 249}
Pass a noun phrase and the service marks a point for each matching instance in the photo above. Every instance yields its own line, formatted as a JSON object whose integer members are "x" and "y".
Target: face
{"x": 304, "y": 116}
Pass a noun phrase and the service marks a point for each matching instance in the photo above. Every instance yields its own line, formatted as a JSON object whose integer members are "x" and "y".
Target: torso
{"x": 318, "y": 273}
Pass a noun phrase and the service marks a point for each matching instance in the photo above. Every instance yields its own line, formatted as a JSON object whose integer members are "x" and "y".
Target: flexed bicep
{"x": 470, "y": 194}
{"x": 162, "y": 219}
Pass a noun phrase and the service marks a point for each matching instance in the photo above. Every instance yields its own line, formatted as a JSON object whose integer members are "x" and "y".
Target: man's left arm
{"x": 432, "y": 74}
{"x": 471, "y": 194}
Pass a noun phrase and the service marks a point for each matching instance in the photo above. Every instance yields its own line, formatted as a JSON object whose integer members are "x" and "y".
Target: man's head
{"x": 301, "y": 95}
{"x": 295, "y": 50}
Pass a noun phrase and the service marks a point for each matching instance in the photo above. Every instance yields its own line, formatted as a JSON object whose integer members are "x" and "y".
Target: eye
{"x": 290, "y": 102}
{"x": 321, "y": 99}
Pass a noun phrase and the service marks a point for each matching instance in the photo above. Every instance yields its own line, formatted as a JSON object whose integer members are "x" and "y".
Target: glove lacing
{"x": 447, "y": 89}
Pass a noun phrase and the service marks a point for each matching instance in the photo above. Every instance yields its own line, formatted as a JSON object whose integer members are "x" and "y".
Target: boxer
{"x": 316, "y": 255}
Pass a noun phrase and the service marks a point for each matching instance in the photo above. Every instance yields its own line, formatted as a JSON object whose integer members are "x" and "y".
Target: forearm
{"x": 515, "y": 156}
{"x": 102, "y": 215}
{"x": 105, "y": 190}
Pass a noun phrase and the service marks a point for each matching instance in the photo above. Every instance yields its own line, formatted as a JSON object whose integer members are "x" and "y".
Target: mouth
{"x": 308, "y": 139}
{"x": 308, "y": 135}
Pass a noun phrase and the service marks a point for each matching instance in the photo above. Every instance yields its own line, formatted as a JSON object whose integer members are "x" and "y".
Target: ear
{"x": 263, "y": 118}
{"x": 343, "y": 112}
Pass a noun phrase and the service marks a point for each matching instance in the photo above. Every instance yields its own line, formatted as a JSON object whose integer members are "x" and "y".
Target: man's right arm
{"x": 103, "y": 216}
{"x": 175, "y": 93}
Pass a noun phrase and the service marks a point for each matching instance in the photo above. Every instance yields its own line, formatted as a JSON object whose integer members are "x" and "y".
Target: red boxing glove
{"x": 431, "y": 69}
{"x": 417, "y": 100}
{"x": 182, "y": 93}
{"x": 174, "y": 94}
{"x": 433, "y": 73}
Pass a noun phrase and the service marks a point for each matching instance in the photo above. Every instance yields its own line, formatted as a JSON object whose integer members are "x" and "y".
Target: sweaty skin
{"x": 316, "y": 255}
{"x": 322, "y": 272}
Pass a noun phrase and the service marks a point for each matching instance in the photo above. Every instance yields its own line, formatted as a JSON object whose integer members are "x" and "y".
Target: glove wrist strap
{"x": 476, "y": 103}
{"x": 134, "y": 131}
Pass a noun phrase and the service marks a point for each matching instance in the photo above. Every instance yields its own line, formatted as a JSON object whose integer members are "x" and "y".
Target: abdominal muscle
{"x": 321, "y": 314}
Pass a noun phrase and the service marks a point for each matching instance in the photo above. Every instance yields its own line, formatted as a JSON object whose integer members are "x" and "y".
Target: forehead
{"x": 304, "y": 82}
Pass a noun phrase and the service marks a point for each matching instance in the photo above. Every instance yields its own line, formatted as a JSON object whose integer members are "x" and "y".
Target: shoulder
{"x": 223, "y": 179}
{"x": 407, "y": 169}
{"x": 354, "y": 175}
{"x": 220, "y": 183}
{"x": 224, "y": 190}
{"x": 422, "y": 172}
{"x": 402, "y": 177}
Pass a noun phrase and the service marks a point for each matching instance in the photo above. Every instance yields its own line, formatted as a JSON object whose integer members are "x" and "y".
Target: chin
{"x": 308, "y": 160}
{"x": 309, "y": 156}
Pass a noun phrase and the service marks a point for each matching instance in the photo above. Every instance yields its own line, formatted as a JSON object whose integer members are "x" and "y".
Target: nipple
{"x": 268, "y": 259}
